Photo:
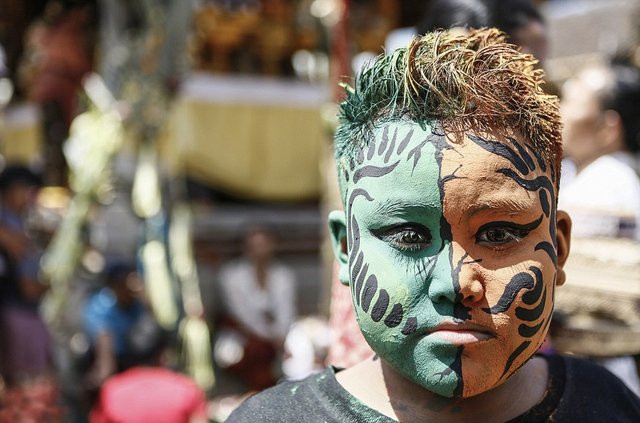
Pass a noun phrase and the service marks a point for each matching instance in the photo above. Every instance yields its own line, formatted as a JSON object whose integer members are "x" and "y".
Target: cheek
{"x": 508, "y": 284}
{"x": 382, "y": 285}
{"x": 523, "y": 293}
{"x": 394, "y": 271}
{"x": 520, "y": 329}
{"x": 376, "y": 284}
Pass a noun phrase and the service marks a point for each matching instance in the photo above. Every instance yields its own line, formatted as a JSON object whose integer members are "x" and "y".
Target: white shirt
{"x": 604, "y": 198}
{"x": 267, "y": 312}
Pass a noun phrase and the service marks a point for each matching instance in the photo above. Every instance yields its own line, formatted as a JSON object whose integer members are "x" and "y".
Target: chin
{"x": 438, "y": 378}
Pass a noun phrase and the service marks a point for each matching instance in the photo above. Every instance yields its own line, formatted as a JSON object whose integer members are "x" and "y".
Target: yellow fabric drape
{"x": 261, "y": 152}
{"x": 20, "y": 137}
{"x": 258, "y": 143}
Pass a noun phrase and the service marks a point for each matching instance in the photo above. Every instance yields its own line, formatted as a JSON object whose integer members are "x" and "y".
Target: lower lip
{"x": 461, "y": 337}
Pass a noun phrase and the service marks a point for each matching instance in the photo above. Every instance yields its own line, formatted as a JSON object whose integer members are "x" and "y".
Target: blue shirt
{"x": 12, "y": 271}
{"x": 102, "y": 313}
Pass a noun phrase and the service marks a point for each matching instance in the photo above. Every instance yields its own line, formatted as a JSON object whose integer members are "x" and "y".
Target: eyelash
{"x": 513, "y": 233}
{"x": 396, "y": 237}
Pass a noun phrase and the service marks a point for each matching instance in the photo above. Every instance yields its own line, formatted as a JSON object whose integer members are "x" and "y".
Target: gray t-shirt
{"x": 577, "y": 391}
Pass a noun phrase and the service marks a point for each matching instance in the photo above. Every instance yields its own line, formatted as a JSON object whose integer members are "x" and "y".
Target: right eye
{"x": 410, "y": 238}
{"x": 500, "y": 236}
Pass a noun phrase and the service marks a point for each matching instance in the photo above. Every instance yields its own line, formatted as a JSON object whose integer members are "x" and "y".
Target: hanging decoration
{"x": 140, "y": 63}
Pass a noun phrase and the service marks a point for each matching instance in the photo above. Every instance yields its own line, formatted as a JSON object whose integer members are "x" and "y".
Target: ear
{"x": 338, "y": 230}
{"x": 612, "y": 132}
{"x": 563, "y": 238}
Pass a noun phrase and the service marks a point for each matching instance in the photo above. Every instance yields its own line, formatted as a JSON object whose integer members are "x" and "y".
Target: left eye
{"x": 410, "y": 238}
{"x": 500, "y": 235}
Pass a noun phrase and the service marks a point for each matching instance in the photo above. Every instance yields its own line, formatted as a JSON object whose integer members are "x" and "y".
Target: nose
{"x": 456, "y": 278}
{"x": 471, "y": 287}
{"x": 441, "y": 286}
{"x": 469, "y": 279}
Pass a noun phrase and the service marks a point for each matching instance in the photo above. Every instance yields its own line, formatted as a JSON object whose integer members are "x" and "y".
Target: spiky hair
{"x": 474, "y": 81}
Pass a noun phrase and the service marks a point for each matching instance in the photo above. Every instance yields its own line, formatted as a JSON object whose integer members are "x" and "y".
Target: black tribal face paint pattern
{"x": 535, "y": 312}
{"x": 412, "y": 262}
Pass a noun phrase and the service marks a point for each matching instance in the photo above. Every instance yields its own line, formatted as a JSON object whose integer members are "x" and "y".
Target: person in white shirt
{"x": 600, "y": 108}
{"x": 259, "y": 297}
{"x": 601, "y": 115}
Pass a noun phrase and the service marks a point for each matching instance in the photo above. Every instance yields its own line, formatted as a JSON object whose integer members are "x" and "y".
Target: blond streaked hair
{"x": 460, "y": 82}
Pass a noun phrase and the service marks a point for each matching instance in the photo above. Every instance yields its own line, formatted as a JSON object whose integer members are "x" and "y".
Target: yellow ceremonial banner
{"x": 259, "y": 140}
{"x": 255, "y": 151}
{"x": 21, "y": 134}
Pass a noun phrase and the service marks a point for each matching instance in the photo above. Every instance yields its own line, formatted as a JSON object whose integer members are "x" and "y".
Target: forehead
{"x": 399, "y": 165}
{"x": 404, "y": 157}
{"x": 408, "y": 172}
{"x": 492, "y": 171}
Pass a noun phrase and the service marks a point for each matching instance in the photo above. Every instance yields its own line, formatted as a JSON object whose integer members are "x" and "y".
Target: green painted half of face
{"x": 398, "y": 265}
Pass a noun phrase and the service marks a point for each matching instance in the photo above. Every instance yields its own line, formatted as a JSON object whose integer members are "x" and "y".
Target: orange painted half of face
{"x": 500, "y": 202}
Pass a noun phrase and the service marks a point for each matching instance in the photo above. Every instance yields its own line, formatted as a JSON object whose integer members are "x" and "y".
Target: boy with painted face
{"x": 448, "y": 157}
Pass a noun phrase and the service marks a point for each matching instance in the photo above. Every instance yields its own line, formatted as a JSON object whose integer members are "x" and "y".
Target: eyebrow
{"x": 526, "y": 227}
{"x": 503, "y": 204}
{"x": 397, "y": 206}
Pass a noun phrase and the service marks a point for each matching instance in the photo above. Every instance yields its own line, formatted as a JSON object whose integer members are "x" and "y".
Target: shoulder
{"x": 580, "y": 371}
{"x": 318, "y": 398}
{"x": 608, "y": 184}
{"x": 593, "y": 394}
{"x": 282, "y": 403}
{"x": 617, "y": 165}
{"x": 234, "y": 268}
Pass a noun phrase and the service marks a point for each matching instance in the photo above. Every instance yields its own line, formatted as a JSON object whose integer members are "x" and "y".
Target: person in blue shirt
{"x": 108, "y": 316}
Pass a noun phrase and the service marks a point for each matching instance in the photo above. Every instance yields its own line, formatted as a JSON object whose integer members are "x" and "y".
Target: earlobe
{"x": 563, "y": 237}
{"x": 612, "y": 138}
{"x": 338, "y": 230}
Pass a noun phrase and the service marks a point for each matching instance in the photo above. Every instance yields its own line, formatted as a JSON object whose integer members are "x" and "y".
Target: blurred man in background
{"x": 25, "y": 347}
{"x": 600, "y": 185}
{"x": 601, "y": 115}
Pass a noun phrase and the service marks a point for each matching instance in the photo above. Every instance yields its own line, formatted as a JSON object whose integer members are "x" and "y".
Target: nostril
{"x": 442, "y": 291}
{"x": 443, "y": 299}
{"x": 471, "y": 291}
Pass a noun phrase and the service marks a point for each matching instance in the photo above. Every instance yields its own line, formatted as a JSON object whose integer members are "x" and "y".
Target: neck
{"x": 262, "y": 267}
{"x": 381, "y": 388}
{"x": 614, "y": 147}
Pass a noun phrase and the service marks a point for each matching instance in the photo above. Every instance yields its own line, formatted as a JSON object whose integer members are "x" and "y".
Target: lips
{"x": 461, "y": 333}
